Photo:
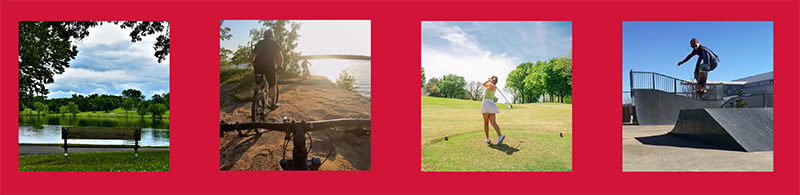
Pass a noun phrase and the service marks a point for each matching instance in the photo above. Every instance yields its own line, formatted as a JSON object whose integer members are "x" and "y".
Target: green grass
{"x": 76, "y": 145}
{"x": 116, "y": 113}
{"x": 148, "y": 161}
{"x": 532, "y": 139}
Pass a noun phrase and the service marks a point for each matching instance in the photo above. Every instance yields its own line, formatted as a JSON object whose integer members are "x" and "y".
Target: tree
{"x": 73, "y": 109}
{"x": 740, "y": 103}
{"x": 475, "y": 90}
{"x": 157, "y": 110}
{"x": 133, "y": 93}
{"x": 224, "y": 56}
{"x": 423, "y": 77}
{"x": 46, "y": 108}
{"x": 45, "y": 49}
{"x": 241, "y": 55}
{"x": 142, "y": 109}
{"x": 432, "y": 88}
{"x": 346, "y": 81}
{"x": 63, "y": 110}
{"x": 452, "y": 86}
{"x": 511, "y": 93}
{"x": 39, "y": 106}
{"x": 127, "y": 104}
{"x": 286, "y": 38}
{"x": 157, "y": 99}
{"x": 224, "y": 33}
{"x": 145, "y": 28}
{"x": 166, "y": 99}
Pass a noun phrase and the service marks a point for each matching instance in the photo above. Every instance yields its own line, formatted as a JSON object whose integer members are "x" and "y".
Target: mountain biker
{"x": 265, "y": 55}
{"x": 306, "y": 71}
{"x": 709, "y": 62}
{"x": 489, "y": 110}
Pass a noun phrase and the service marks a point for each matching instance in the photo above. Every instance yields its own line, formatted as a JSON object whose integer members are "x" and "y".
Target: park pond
{"x": 47, "y": 129}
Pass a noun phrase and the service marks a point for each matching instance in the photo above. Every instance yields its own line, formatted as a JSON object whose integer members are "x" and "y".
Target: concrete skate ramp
{"x": 655, "y": 107}
{"x": 742, "y": 129}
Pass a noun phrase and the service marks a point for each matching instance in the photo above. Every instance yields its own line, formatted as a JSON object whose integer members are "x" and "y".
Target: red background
{"x": 597, "y": 46}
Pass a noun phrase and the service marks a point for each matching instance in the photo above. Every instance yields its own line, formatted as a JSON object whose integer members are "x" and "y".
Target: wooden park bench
{"x": 102, "y": 133}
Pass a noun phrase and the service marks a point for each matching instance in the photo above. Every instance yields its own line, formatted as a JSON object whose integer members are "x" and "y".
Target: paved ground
{"x": 648, "y": 148}
{"x": 37, "y": 150}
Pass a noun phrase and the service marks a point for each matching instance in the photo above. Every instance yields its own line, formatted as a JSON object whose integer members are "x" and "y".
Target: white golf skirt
{"x": 488, "y": 106}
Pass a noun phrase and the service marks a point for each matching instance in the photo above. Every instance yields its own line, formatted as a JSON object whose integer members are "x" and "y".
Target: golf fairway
{"x": 532, "y": 139}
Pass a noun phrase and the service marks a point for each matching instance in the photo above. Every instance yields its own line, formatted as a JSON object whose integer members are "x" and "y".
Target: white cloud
{"x": 464, "y": 56}
{"x": 108, "y": 63}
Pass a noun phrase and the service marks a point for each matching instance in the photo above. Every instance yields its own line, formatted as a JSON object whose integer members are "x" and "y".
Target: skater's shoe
{"x": 500, "y": 139}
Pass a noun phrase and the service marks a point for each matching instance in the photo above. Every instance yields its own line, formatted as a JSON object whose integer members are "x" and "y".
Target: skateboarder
{"x": 707, "y": 61}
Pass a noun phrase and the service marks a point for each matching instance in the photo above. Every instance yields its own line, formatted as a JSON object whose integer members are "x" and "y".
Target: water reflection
{"x": 47, "y": 129}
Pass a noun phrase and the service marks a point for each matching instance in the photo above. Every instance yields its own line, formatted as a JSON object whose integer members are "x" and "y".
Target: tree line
{"x": 130, "y": 100}
{"x": 453, "y": 86}
{"x": 551, "y": 79}
{"x": 530, "y": 82}
{"x": 286, "y": 38}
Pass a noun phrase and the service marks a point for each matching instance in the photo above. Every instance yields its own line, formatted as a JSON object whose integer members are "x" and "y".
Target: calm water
{"x": 331, "y": 68}
{"x": 47, "y": 129}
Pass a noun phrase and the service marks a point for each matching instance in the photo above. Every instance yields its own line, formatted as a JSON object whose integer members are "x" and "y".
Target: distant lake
{"x": 330, "y": 68}
{"x": 47, "y": 129}
{"x": 360, "y": 69}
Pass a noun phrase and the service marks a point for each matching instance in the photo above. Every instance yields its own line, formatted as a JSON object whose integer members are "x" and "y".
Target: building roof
{"x": 757, "y": 78}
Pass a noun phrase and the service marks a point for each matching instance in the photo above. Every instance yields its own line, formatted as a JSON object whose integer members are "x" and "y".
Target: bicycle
{"x": 297, "y": 132}
{"x": 261, "y": 98}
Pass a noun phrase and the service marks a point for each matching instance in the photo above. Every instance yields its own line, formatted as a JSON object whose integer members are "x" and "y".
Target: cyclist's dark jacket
{"x": 265, "y": 56}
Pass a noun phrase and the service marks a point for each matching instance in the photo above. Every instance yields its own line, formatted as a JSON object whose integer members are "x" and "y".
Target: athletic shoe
{"x": 500, "y": 139}
{"x": 488, "y": 140}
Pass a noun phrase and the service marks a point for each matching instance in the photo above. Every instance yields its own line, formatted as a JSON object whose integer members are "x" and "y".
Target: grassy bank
{"x": 148, "y": 161}
{"x": 116, "y": 113}
{"x": 532, "y": 139}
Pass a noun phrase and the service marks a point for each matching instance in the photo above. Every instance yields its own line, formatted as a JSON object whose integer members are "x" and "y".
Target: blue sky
{"x": 315, "y": 36}
{"x": 108, "y": 63}
{"x": 478, "y": 50}
{"x": 744, "y": 48}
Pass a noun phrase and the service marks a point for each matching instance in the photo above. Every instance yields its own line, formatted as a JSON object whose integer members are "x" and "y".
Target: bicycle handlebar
{"x": 295, "y": 131}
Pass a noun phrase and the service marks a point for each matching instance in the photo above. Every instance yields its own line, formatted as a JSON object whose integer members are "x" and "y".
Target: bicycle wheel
{"x": 277, "y": 93}
{"x": 258, "y": 106}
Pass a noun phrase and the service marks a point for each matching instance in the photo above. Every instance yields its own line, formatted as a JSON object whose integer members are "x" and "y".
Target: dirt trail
{"x": 314, "y": 99}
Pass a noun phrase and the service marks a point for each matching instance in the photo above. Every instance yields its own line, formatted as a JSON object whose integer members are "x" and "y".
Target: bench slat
{"x": 100, "y": 133}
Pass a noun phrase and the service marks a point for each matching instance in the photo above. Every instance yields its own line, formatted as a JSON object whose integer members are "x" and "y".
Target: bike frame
{"x": 263, "y": 91}
{"x": 295, "y": 131}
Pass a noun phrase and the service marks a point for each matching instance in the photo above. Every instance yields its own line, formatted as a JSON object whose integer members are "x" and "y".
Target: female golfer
{"x": 489, "y": 109}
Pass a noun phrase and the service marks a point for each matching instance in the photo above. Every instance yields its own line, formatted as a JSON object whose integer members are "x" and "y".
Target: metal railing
{"x": 657, "y": 81}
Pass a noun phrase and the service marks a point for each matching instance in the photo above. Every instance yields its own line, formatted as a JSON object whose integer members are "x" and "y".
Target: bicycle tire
{"x": 257, "y": 105}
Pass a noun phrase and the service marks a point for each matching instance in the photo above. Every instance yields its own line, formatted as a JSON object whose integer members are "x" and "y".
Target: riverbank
{"x": 116, "y": 113}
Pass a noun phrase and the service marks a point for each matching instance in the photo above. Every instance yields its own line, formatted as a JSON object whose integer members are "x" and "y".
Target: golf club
{"x": 504, "y": 97}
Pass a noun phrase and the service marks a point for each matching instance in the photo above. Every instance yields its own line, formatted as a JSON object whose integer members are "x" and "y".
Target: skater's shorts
{"x": 488, "y": 106}
{"x": 704, "y": 67}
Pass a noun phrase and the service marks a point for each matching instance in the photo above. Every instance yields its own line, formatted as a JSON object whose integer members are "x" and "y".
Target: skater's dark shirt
{"x": 704, "y": 56}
